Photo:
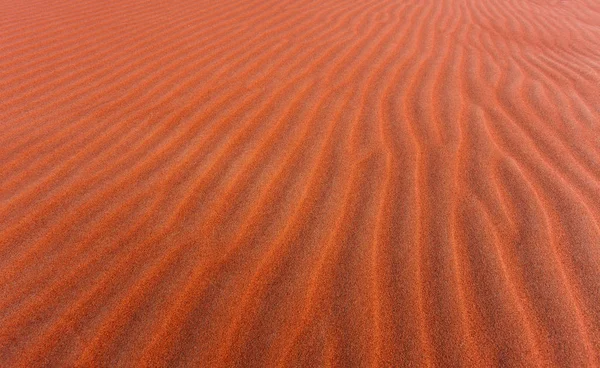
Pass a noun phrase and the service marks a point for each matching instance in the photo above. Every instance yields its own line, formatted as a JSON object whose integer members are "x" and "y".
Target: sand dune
{"x": 300, "y": 183}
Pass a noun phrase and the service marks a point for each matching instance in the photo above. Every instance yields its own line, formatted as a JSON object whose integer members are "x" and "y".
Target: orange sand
{"x": 299, "y": 183}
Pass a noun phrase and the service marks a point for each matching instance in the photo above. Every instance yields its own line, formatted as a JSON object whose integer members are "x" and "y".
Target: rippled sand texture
{"x": 299, "y": 183}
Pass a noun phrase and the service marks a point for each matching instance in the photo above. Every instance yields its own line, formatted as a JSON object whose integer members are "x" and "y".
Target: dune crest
{"x": 300, "y": 183}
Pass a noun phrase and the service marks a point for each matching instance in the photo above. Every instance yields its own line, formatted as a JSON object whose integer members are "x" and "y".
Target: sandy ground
{"x": 300, "y": 183}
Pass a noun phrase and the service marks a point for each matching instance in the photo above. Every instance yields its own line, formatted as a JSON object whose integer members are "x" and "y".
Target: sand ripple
{"x": 300, "y": 183}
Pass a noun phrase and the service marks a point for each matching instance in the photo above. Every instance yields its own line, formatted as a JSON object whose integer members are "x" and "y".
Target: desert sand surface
{"x": 282, "y": 183}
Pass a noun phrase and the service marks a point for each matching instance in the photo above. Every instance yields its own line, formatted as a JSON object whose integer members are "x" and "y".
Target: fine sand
{"x": 300, "y": 183}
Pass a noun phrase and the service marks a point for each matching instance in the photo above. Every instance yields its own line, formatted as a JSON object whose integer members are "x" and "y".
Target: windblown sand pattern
{"x": 299, "y": 183}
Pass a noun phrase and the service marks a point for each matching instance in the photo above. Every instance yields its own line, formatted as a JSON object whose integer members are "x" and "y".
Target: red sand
{"x": 299, "y": 183}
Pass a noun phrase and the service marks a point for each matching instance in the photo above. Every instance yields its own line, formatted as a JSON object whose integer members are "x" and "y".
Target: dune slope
{"x": 300, "y": 183}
